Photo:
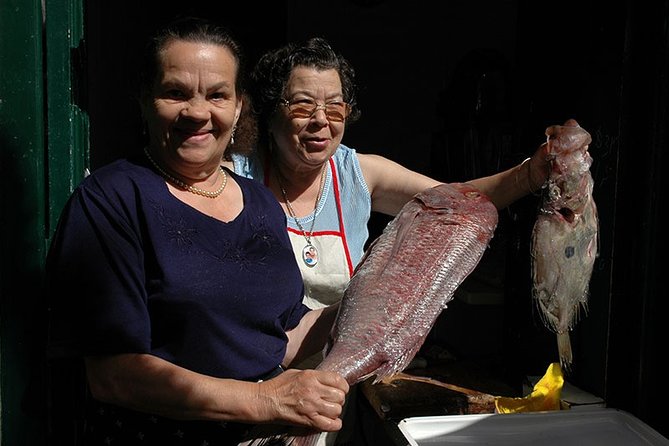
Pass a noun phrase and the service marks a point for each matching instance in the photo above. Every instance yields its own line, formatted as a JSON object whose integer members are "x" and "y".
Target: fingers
{"x": 540, "y": 167}
{"x": 567, "y": 138}
{"x": 327, "y": 424}
{"x": 308, "y": 398}
{"x": 554, "y": 130}
{"x": 321, "y": 399}
{"x": 333, "y": 380}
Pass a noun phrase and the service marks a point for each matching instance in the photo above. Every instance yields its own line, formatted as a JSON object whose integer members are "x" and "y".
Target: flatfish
{"x": 404, "y": 281}
{"x": 564, "y": 238}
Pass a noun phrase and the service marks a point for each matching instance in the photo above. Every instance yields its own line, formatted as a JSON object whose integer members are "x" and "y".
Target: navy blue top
{"x": 132, "y": 269}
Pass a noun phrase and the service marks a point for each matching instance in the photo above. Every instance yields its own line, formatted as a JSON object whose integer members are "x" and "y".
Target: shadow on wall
{"x": 22, "y": 315}
{"x": 475, "y": 114}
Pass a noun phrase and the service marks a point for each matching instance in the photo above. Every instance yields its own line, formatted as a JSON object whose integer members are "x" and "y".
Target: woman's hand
{"x": 536, "y": 169}
{"x": 308, "y": 398}
{"x": 540, "y": 163}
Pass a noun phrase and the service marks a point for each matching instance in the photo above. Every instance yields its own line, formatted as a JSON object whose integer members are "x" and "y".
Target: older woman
{"x": 305, "y": 96}
{"x": 172, "y": 279}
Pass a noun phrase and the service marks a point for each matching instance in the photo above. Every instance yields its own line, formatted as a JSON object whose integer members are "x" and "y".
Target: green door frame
{"x": 67, "y": 129}
{"x": 43, "y": 155}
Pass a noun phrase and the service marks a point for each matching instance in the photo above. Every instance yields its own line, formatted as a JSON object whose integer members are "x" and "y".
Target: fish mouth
{"x": 567, "y": 214}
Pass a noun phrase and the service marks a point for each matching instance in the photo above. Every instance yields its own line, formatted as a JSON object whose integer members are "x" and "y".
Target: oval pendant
{"x": 310, "y": 255}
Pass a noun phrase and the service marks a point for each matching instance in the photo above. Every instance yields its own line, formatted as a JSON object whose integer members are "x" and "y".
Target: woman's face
{"x": 193, "y": 106}
{"x": 305, "y": 143}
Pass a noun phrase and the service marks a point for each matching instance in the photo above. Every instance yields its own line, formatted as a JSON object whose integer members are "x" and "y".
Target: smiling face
{"x": 306, "y": 143}
{"x": 193, "y": 106}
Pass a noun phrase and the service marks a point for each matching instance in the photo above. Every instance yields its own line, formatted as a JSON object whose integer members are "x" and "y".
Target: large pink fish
{"x": 405, "y": 280}
{"x": 564, "y": 237}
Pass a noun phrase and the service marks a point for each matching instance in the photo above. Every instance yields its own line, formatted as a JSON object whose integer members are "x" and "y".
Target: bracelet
{"x": 527, "y": 161}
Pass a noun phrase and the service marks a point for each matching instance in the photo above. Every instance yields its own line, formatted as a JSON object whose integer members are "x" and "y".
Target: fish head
{"x": 567, "y": 138}
{"x": 450, "y": 196}
{"x": 455, "y": 203}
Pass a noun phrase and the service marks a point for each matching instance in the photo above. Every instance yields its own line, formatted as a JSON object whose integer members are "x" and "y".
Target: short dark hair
{"x": 200, "y": 30}
{"x": 188, "y": 29}
{"x": 271, "y": 73}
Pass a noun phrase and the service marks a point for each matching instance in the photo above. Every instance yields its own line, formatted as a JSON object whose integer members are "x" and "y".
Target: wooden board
{"x": 435, "y": 391}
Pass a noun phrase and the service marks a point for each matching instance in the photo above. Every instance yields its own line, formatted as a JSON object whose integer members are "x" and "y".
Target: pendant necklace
{"x": 309, "y": 252}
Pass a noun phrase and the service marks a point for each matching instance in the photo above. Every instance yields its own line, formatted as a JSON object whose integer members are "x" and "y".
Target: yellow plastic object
{"x": 545, "y": 396}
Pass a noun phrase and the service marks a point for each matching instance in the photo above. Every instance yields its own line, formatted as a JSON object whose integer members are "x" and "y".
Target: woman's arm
{"x": 505, "y": 187}
{"x": 311, "y": 335}
{"x": 149, "y": 384}
{"x": 393, "y": 185}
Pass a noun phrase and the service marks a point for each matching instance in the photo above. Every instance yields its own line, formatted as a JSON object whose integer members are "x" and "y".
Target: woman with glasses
{"x": 304, "y": 96}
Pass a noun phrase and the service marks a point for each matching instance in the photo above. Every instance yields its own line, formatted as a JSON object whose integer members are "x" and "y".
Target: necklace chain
{"x": 291, "y": 211}
{"x": 192, "y": 189}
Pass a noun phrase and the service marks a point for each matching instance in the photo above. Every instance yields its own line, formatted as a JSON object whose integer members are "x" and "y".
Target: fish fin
{"x": 404, "y": 225}
{"x": 564, "y": 350}
{"x": 275, "y": 440}
{"x": 364, "y": 256}
{"x": 392, "y": 367}
{"x": 597, "y": 242}
{"x": 307, "y": 440}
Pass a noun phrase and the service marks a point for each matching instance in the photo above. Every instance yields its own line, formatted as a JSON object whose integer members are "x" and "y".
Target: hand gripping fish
{"x": 564, "y": 237}
{"x": 405, "y": 280}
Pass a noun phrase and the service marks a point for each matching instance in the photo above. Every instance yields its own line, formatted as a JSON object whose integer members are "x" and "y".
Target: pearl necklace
{"x": 309, "y": 252}
{"x": 192, "y": 189}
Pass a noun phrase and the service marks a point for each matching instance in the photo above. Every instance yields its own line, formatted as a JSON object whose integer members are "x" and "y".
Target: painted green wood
{"x": 67, "y": 132}
{"x": 43, "y": 154}
{"x": 22, "y": 217}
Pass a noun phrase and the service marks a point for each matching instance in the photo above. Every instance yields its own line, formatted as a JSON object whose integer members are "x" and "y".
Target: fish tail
{"x": 277, "y": 440}
{"x": 564, "y": 350}
{"x": 308, "y": 440}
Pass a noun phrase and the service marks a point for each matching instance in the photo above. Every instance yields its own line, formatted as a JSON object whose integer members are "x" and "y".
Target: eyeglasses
{"x": 335, "y": 111}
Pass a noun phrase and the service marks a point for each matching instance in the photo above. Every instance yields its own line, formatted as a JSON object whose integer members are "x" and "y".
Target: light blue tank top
{"x": 342, "y": 212}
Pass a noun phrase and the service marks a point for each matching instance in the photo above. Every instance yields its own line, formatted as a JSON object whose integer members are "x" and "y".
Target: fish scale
{"x": 406, "y": 278}
{"x": 427, "y": 284}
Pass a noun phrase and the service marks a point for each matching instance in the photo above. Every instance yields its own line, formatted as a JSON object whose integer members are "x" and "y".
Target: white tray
{"x": 597, "y": 426}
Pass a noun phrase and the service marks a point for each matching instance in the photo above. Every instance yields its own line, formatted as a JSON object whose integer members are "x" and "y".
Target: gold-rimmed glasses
{"x": 335, "y": 111}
